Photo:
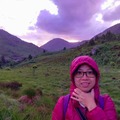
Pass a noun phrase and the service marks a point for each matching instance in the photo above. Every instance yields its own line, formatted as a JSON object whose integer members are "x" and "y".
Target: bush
{"x": 12, "y": 85}
{"x": 30, "y": 92}
{"x": 105, "y": 60}
{"x": 112, "y": 64}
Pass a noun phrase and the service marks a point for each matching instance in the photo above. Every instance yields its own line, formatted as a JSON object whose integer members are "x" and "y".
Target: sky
{"x": 39, "y": 21}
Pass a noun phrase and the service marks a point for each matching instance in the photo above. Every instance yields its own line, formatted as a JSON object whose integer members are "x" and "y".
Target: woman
{"x": 84, "y": 102}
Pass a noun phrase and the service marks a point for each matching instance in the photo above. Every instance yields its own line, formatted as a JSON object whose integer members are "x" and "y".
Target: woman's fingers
{"x": 85, "y": 98}
{"x": 78, "y": 91}
{"x": 74, "y": 98}
{"x": 75, "y": 95}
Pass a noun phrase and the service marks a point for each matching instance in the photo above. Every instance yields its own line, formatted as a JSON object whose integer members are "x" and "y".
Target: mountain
{"x": 13, "y": 48}
{"x": 58, "y": 44}
{"x": 113, "y": 29}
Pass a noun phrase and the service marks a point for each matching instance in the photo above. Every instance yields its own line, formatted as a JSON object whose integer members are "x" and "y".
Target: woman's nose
{"x": 85, "y": 75}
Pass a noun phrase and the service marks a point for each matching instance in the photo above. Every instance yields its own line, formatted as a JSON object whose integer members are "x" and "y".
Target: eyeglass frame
{"x": 85, "y": 73}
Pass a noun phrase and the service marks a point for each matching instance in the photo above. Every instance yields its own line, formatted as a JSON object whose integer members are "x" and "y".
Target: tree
{"x": 64, "y": 48}
{"x": 110, "y": 36}
{"x": 92, "y": 42}
{"x": 3, "y": 61}
{"x": 44, "y": 51}
{"x": 30, "y": 57}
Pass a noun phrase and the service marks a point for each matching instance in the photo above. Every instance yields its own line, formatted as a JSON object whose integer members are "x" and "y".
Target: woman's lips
{"x": 85, "y": 84}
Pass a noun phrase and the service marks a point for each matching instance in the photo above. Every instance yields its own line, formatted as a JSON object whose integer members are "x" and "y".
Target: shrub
{"x": 12, "y": 85}
{"x": 118, "y": 61}
{"x": 112, "y": 64}
{"x": 30, "y": 92}
{"x": 105, "y": 60}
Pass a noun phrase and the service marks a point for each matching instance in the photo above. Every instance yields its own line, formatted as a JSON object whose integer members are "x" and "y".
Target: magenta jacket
{"x": 109, "y": 111}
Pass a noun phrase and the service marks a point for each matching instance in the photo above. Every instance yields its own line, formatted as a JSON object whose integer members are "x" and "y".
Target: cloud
{"x": 112, "y": 14}
{"x": 73, "y": 18}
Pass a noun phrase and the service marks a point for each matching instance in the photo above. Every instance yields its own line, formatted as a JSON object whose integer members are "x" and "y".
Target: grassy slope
{"x": 52, "y": 75}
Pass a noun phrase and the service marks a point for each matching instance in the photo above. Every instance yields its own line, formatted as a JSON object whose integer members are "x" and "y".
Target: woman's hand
{"x": 87, "y": 99}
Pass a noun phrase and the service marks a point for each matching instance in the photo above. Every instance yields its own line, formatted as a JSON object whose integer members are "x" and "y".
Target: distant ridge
{"x": 58, "y": 44}
{"x": 113, "y": 29}
{"x": 13, "y": 48}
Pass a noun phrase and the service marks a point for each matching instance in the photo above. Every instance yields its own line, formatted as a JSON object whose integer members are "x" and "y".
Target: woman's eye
{"x": 90, "y": 72}
{"x": 79, "y": 72}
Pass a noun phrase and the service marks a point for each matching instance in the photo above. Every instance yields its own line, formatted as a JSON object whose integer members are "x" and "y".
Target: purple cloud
{"x": 52, "y": 23}
{"x": 73, "y": 17}
{"x": 112, "y": 14}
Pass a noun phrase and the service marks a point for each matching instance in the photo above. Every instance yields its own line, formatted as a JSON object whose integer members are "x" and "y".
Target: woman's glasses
{"x": 80, "y": 74}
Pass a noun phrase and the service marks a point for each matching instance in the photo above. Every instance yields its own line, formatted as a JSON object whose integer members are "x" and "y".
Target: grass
{"x": 50, "y": 79}
{"x": 54, "y": 81}
{"x": 50, "y": 74}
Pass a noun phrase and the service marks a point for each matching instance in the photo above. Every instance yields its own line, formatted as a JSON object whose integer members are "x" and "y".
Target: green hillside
{"x": 14, "y": 50}
{"x": 49, "y": 72}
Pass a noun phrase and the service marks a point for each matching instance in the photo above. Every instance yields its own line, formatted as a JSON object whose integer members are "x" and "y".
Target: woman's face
{"x": 85, "y": 78}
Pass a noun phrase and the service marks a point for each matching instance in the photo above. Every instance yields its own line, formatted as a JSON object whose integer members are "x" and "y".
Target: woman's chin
{"x": 86, "y": 90}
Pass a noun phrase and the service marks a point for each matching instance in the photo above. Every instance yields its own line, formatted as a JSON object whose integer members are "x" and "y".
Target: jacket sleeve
{"x": 108, "y": 113}
{"x": 57, "y": 113}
